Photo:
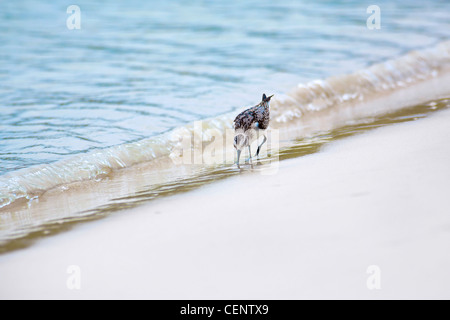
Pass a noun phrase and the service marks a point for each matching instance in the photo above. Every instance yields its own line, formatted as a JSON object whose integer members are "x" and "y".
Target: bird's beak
{"x": 238, "y": 156}
{"x": 268, "y": 98}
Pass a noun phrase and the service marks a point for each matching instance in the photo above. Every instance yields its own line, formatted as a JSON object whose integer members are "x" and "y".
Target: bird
{"x": 248, "y": 126}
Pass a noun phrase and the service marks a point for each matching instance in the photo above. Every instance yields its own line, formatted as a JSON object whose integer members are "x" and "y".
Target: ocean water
{"x": 137, "y": 69}
{"x": 125, "y": 90}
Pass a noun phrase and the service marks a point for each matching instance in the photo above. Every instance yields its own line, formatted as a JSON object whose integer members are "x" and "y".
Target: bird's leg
{"x": 249, "y": 155}
{"x": 259, "y": 147}
{"x": 238, "y": 156}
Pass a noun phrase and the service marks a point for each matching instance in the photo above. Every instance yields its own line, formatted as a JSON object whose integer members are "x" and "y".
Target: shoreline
{"x": 415, "y": 78}
{"x": 309, "y": 231}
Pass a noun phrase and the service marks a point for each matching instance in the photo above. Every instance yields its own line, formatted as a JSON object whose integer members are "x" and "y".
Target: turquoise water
{"x": 140, "y": 68}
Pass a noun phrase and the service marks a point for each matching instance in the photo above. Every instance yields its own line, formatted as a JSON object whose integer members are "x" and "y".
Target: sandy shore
{"x": 309, "y": 231}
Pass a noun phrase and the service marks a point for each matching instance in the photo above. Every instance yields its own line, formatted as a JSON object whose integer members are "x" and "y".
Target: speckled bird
{"x": 249, "y": 125}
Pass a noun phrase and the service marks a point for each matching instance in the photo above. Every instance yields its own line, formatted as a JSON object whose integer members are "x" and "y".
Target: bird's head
{"x": 240, "y": 141}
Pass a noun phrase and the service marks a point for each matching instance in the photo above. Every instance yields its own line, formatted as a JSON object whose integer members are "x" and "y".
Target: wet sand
{"x": 309, "y": 231}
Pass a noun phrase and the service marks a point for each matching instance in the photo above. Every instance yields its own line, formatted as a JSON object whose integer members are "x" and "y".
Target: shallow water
{"x": 137, "y": 69}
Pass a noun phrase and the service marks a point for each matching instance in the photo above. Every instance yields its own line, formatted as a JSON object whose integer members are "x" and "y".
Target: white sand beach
{"x": 309, "y": 231}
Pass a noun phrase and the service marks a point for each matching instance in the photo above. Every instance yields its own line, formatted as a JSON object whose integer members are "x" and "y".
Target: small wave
{"x": 318, "y": 105}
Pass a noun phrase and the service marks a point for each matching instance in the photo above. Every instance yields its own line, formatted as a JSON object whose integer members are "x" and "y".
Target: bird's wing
{"x": 260, "y": 118}
{"x": 245, "y": 119}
